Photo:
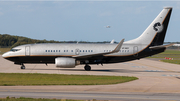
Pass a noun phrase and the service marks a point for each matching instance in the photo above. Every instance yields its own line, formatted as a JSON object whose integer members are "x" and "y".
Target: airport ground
{"x": 157, "y": 81}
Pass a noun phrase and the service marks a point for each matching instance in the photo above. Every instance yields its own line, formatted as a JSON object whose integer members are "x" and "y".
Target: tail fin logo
{"x": 158, "y": 27}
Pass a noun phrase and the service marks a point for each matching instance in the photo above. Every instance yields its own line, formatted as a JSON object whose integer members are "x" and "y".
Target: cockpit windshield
{"x": 14, "y": 50}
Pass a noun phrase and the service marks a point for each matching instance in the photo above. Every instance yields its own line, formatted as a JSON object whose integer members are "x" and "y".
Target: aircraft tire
{"x": 87, "y": 67}
{"x": 23, "y": 67}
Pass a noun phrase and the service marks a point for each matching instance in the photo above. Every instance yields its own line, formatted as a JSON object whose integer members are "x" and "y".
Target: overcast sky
{"x": 85, "y": 20}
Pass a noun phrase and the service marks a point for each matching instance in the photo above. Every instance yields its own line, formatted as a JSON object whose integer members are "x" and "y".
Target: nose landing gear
{"x": 23, "y": 67}
{"x": 87, "y": 67}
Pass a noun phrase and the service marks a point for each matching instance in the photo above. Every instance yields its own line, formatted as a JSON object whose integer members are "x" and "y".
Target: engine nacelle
{"x": 64, "y": 62}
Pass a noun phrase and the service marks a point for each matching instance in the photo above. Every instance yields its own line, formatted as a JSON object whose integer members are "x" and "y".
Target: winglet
{"x": 112, "y": 42}
{"x": 118, "y": 47}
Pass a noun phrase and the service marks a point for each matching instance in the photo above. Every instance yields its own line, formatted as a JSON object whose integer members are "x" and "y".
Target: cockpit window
{"x": 14, "y": 50}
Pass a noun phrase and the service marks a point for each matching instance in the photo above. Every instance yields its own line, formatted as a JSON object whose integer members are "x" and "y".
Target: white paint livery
{"x": 150, "y": 42}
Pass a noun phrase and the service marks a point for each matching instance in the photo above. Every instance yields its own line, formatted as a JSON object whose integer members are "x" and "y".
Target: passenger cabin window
{"x": 55, "y": 50}
{"x": 65, "y": 50}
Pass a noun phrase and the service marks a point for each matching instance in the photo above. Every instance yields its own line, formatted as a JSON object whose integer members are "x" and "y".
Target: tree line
{"x": 13, "y": 41}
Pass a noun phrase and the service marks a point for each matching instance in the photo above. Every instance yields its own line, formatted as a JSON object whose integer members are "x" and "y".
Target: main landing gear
{"x": 23, "y": 67}
{"x": 87, "y": 67}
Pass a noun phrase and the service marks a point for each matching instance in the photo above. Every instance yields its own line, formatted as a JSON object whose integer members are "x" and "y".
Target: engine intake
{"x": 64, "y": 62}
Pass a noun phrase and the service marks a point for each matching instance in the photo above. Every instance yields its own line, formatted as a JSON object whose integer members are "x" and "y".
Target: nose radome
{"x": 4, "y": 55}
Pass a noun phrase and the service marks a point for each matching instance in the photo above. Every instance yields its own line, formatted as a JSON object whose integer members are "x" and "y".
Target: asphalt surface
{"x": 157, "y": 81}
{"x": 95, "y": 95}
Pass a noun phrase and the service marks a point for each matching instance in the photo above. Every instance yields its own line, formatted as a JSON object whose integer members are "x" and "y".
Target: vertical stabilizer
{"x": 155, "y": 33}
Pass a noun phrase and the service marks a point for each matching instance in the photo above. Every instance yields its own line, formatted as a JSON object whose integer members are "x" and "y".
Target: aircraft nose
{"x": 5, "y": 55}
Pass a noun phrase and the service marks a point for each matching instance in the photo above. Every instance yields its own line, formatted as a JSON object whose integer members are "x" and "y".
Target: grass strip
{"x": 15, "y": 79}
{"x": 34, "y": 99}
{"x": 174, "y": 54}
{"x": 168, "y": 53}
{"x": 172, "y": 61}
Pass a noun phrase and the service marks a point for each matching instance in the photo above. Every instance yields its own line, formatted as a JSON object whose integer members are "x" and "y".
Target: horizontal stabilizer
{"x": 160, "y": 46}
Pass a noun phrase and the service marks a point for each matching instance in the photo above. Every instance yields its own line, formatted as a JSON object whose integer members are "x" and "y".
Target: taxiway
{"x": 157, "y": 81}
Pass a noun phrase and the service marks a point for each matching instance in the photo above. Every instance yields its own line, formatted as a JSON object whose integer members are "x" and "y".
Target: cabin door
{"x": 27, "y": 50}
{"x": 77, "y": 51}
{"x": 135, "y": 51}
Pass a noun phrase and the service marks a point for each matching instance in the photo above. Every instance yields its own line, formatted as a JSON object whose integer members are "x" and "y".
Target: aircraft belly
{"x": 33, "y": 59}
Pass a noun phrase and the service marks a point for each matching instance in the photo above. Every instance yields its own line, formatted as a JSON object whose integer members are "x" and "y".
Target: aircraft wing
{"x": 117, "y": 49}
{"x": 160, "y": 46}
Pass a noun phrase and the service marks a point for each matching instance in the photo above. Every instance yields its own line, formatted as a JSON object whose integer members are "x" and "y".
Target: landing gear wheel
{"x": 87, "y": 67}
{"x": 23, "y": 67}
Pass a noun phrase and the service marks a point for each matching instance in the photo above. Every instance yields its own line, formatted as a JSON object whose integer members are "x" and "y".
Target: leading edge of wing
{"x": 117, "y": 49}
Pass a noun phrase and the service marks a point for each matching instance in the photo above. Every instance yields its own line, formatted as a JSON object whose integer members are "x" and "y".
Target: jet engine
{"x": 64, "y": 62}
